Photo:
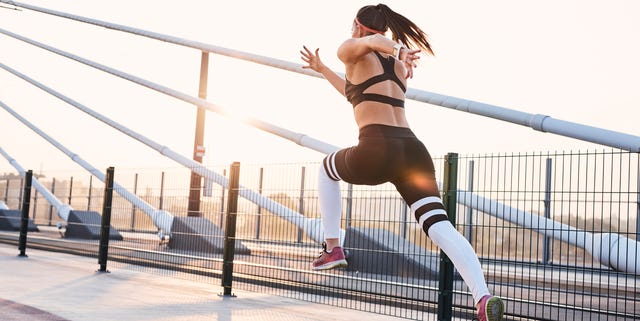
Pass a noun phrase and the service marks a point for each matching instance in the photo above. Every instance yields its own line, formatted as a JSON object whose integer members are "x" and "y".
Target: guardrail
{"x": 312, "y": 227}
{"x": 499, "y": 266}
{"x": 538, "y": 122}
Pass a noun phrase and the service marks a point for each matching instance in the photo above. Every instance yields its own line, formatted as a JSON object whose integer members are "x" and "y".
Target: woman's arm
{"x": 352, "y": 49}
{"x": 316, "y": 64}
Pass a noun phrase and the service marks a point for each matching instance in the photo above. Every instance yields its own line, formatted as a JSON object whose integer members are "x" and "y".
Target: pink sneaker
{"x": 490, "y": 308}
{"x": 327, "y": 260}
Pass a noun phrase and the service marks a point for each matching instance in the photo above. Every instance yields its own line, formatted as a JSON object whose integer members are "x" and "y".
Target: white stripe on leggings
{"x": 424, "y": 201}
{"x": 332, "y": 164}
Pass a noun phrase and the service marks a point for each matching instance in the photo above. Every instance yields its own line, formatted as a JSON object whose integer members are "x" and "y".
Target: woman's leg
{"x": 445, "y": 236}
{"x": 431, "y": 216}
{"x": 418, "y": 187}
{"x": 466, "y": 261}
{"x": 332, "y": 255}
{"x": 330, "y": 200}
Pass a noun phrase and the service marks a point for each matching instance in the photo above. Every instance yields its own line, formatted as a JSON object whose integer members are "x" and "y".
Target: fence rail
{"x": 539, "y": 277}
{"x": 538, "y": 122}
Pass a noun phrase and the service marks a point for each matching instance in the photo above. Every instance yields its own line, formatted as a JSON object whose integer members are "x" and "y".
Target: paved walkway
{"x": 62, "y": 287}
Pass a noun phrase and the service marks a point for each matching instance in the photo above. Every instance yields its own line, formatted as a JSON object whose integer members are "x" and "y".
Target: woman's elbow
{"x": 375, "y": 42}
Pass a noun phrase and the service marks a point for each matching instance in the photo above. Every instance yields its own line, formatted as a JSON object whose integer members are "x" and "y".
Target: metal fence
{"x": 538, "y": 276}
{"x": 559, "y": 269}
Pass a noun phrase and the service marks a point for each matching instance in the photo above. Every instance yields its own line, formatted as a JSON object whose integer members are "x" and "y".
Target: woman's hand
{"x": 314, "y": 63}
{"x": 409, "y": 57}
{"x": 313, "y": 60}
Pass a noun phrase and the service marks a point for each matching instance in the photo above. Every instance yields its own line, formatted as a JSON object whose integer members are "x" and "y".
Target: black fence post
{"x": 6, "y": 193}
{"x": 89, "y": 194}
{"x": 133, "y": 207}
{"x": 53, "y": 191}
{"x": 259, "y": 214}
{"x": 35, "y": 204}
{"x": 70, "y": 189}
{"x": 224, "y": 173}
{"x": 24, "y": 222}
{"x": 301, "y": 201}
{"x": 546, "y": 244}
{"x": 228, "y": 251}
{"x": 445, "y": 284}
{"x": 161, "y": 202}
{"x": 21, "y": 190}
{"x": 106, "y": 221}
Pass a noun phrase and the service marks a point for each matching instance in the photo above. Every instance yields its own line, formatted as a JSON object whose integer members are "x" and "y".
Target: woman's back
{"x": 376, "y": 91}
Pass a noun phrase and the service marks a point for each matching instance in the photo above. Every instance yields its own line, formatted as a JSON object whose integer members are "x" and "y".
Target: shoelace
{"x": 324, "y": 249}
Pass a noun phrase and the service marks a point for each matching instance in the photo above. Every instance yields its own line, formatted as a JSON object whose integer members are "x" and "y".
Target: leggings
{"x": 394, "y": 154}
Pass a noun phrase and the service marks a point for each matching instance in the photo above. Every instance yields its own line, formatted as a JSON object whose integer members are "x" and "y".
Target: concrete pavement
{"x": 56, "y": 286}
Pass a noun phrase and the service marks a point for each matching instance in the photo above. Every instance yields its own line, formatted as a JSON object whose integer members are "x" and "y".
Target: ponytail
{"x": 403, "y": 30}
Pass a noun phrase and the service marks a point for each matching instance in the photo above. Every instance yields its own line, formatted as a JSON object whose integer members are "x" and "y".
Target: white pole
{"x": 538, "y": 122}
{"x": 161, "y": 219}
{"x": 62, "y": 209}
{"x": 610, "y": 249}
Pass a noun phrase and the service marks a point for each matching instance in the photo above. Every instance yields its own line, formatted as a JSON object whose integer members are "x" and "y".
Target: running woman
{"x": 377, "y": 69}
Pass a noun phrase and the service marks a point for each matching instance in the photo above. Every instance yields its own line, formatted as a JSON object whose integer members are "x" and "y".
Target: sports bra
{"x": 355, "y": 93}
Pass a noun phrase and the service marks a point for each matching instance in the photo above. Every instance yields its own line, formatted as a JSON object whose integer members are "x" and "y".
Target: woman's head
{"x": 380, "y": 18}
{"x": 371, "y": 17}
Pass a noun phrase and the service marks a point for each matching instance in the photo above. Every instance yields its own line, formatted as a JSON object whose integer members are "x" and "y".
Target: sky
{"x": 571, "y": 60}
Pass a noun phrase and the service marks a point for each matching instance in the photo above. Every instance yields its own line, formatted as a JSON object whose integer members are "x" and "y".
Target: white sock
{"x": 330, "y": 200}
{"x": 464, "y": 258}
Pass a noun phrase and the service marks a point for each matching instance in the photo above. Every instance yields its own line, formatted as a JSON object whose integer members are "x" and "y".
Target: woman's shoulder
{"x": 353, "y": 49}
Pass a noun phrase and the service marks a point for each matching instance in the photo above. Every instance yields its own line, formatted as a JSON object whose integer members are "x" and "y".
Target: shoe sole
{"x": 495, "y": 309}
{"x": 331, "y": 265}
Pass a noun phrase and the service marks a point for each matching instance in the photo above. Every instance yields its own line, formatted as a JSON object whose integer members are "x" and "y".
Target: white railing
{"x": 538, "y": 122}
{"x": 162, "y": 219}
{"x": 62, "y": 209}
{"x": 601, "y": 246}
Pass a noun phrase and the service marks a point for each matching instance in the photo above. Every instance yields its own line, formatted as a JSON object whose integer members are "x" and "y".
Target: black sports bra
{"x": 355, "y": 93}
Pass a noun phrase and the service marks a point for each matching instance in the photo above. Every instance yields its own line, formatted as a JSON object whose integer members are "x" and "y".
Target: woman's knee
{"x": 329, "y": 168}
{"x": 429, "y": 211}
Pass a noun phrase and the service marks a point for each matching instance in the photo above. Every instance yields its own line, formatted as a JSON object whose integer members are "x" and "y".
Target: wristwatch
{"x": 396, "y": 50}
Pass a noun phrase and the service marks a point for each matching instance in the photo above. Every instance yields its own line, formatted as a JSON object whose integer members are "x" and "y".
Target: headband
{"x": 367, "y": 28}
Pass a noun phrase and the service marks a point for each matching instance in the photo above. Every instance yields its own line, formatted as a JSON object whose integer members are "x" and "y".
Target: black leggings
{"x": 391, "y": 154}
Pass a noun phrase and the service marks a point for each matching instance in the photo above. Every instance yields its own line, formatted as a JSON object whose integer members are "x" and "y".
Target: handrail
{"x": 263, "y": 60}
{"x": 310, "y": 226}
{"x": 162, "y": 219}
{"x": 543, "y": 123}
{"x": 298, "y": 138}
{"x": 611, "y": 249}
{"x": 62, "y": 209}
{"x": 538, "y": 122}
